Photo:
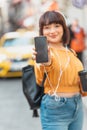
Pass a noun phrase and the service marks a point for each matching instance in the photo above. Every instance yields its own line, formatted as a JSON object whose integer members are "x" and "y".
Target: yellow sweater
{"x": 69, "y": 80}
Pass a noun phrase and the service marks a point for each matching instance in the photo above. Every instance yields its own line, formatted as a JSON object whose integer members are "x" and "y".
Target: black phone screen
{"x": 41, "y": 49}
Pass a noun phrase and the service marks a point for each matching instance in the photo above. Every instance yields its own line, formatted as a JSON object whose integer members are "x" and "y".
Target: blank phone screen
{"x": 41, "y": 49}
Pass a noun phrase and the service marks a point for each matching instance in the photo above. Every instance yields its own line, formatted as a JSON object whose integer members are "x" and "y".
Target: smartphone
{"x": 41, "y": 47}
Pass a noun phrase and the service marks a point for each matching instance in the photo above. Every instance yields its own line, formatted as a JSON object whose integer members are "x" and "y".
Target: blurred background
{"x": 18, "y": 26}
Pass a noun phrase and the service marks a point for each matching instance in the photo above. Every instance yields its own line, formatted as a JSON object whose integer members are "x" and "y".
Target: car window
{"x": 23, "y": 41}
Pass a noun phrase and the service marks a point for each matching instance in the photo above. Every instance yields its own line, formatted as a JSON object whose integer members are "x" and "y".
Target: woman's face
{"x": 53, "y": 32}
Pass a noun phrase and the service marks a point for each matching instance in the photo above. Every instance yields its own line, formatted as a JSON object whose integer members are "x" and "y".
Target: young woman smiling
{"x": 61, "y": 106}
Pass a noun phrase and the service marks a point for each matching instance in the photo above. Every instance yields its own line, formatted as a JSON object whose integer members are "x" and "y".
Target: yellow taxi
{"x": 15, "y": 52}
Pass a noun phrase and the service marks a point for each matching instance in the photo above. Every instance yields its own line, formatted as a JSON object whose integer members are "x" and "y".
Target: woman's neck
{"x": 56, "y": 46}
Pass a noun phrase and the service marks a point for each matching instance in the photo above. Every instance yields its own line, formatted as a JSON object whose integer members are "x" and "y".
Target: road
{"x": 14, "y": 109}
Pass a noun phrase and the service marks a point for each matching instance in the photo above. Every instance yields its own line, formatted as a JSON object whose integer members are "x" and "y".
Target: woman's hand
{"x": 82, "y": 92}
{"x": 34, "y": 53}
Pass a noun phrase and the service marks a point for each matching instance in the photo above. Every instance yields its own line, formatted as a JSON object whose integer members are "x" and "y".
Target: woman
{"x": 61, "y": 106}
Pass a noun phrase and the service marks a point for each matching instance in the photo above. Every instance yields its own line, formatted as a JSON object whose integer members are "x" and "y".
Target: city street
{"x": 22, "y": 16}
{"x": 15, "y": 113}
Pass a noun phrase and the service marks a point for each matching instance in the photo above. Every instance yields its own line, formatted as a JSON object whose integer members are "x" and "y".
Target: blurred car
{"x": 15, "y": 52}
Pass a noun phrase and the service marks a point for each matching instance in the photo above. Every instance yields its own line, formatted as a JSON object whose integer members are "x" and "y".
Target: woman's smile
{"x": 53, "y": 32}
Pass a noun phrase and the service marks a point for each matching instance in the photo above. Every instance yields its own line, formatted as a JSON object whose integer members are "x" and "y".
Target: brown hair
{"x": 54, "y": 17}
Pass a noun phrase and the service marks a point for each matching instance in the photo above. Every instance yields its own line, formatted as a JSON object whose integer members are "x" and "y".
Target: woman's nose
{"x": 52, "y": 30}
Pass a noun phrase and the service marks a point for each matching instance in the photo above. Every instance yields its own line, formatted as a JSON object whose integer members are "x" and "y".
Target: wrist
{"x": 48, "y": 63}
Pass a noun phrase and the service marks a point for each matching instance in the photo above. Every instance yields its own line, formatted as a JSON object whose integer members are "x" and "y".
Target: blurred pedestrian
{"x": 15, "y": 14}
{"x": 53, "y": 6}
{"x": 78, "y": 41}
{"x": 79, "y": 3}
{"x": 1, "y": 23}
{"x": 19, "y": 12}
{"x": 49, "y": 5}
{"x": 71, "y": 35}
{"x": 61, "y": 106}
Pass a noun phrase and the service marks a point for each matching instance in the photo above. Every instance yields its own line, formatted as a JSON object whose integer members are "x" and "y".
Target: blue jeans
{"x": 62, "y": 113}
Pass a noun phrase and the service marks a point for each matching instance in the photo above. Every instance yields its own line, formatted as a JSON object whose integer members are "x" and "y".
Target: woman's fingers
{"x": 34, "y": 53}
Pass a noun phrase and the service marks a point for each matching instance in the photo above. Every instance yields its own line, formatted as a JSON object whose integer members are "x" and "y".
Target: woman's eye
{"x": 57, "y": 25}
{"x": 46, "y": 27}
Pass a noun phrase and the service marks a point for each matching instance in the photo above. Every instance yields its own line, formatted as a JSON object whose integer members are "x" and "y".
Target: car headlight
{"x": 2, "y": 57}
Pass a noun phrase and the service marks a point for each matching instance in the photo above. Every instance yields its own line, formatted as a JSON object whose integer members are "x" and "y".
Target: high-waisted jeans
{"x": 61, "y": 113}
